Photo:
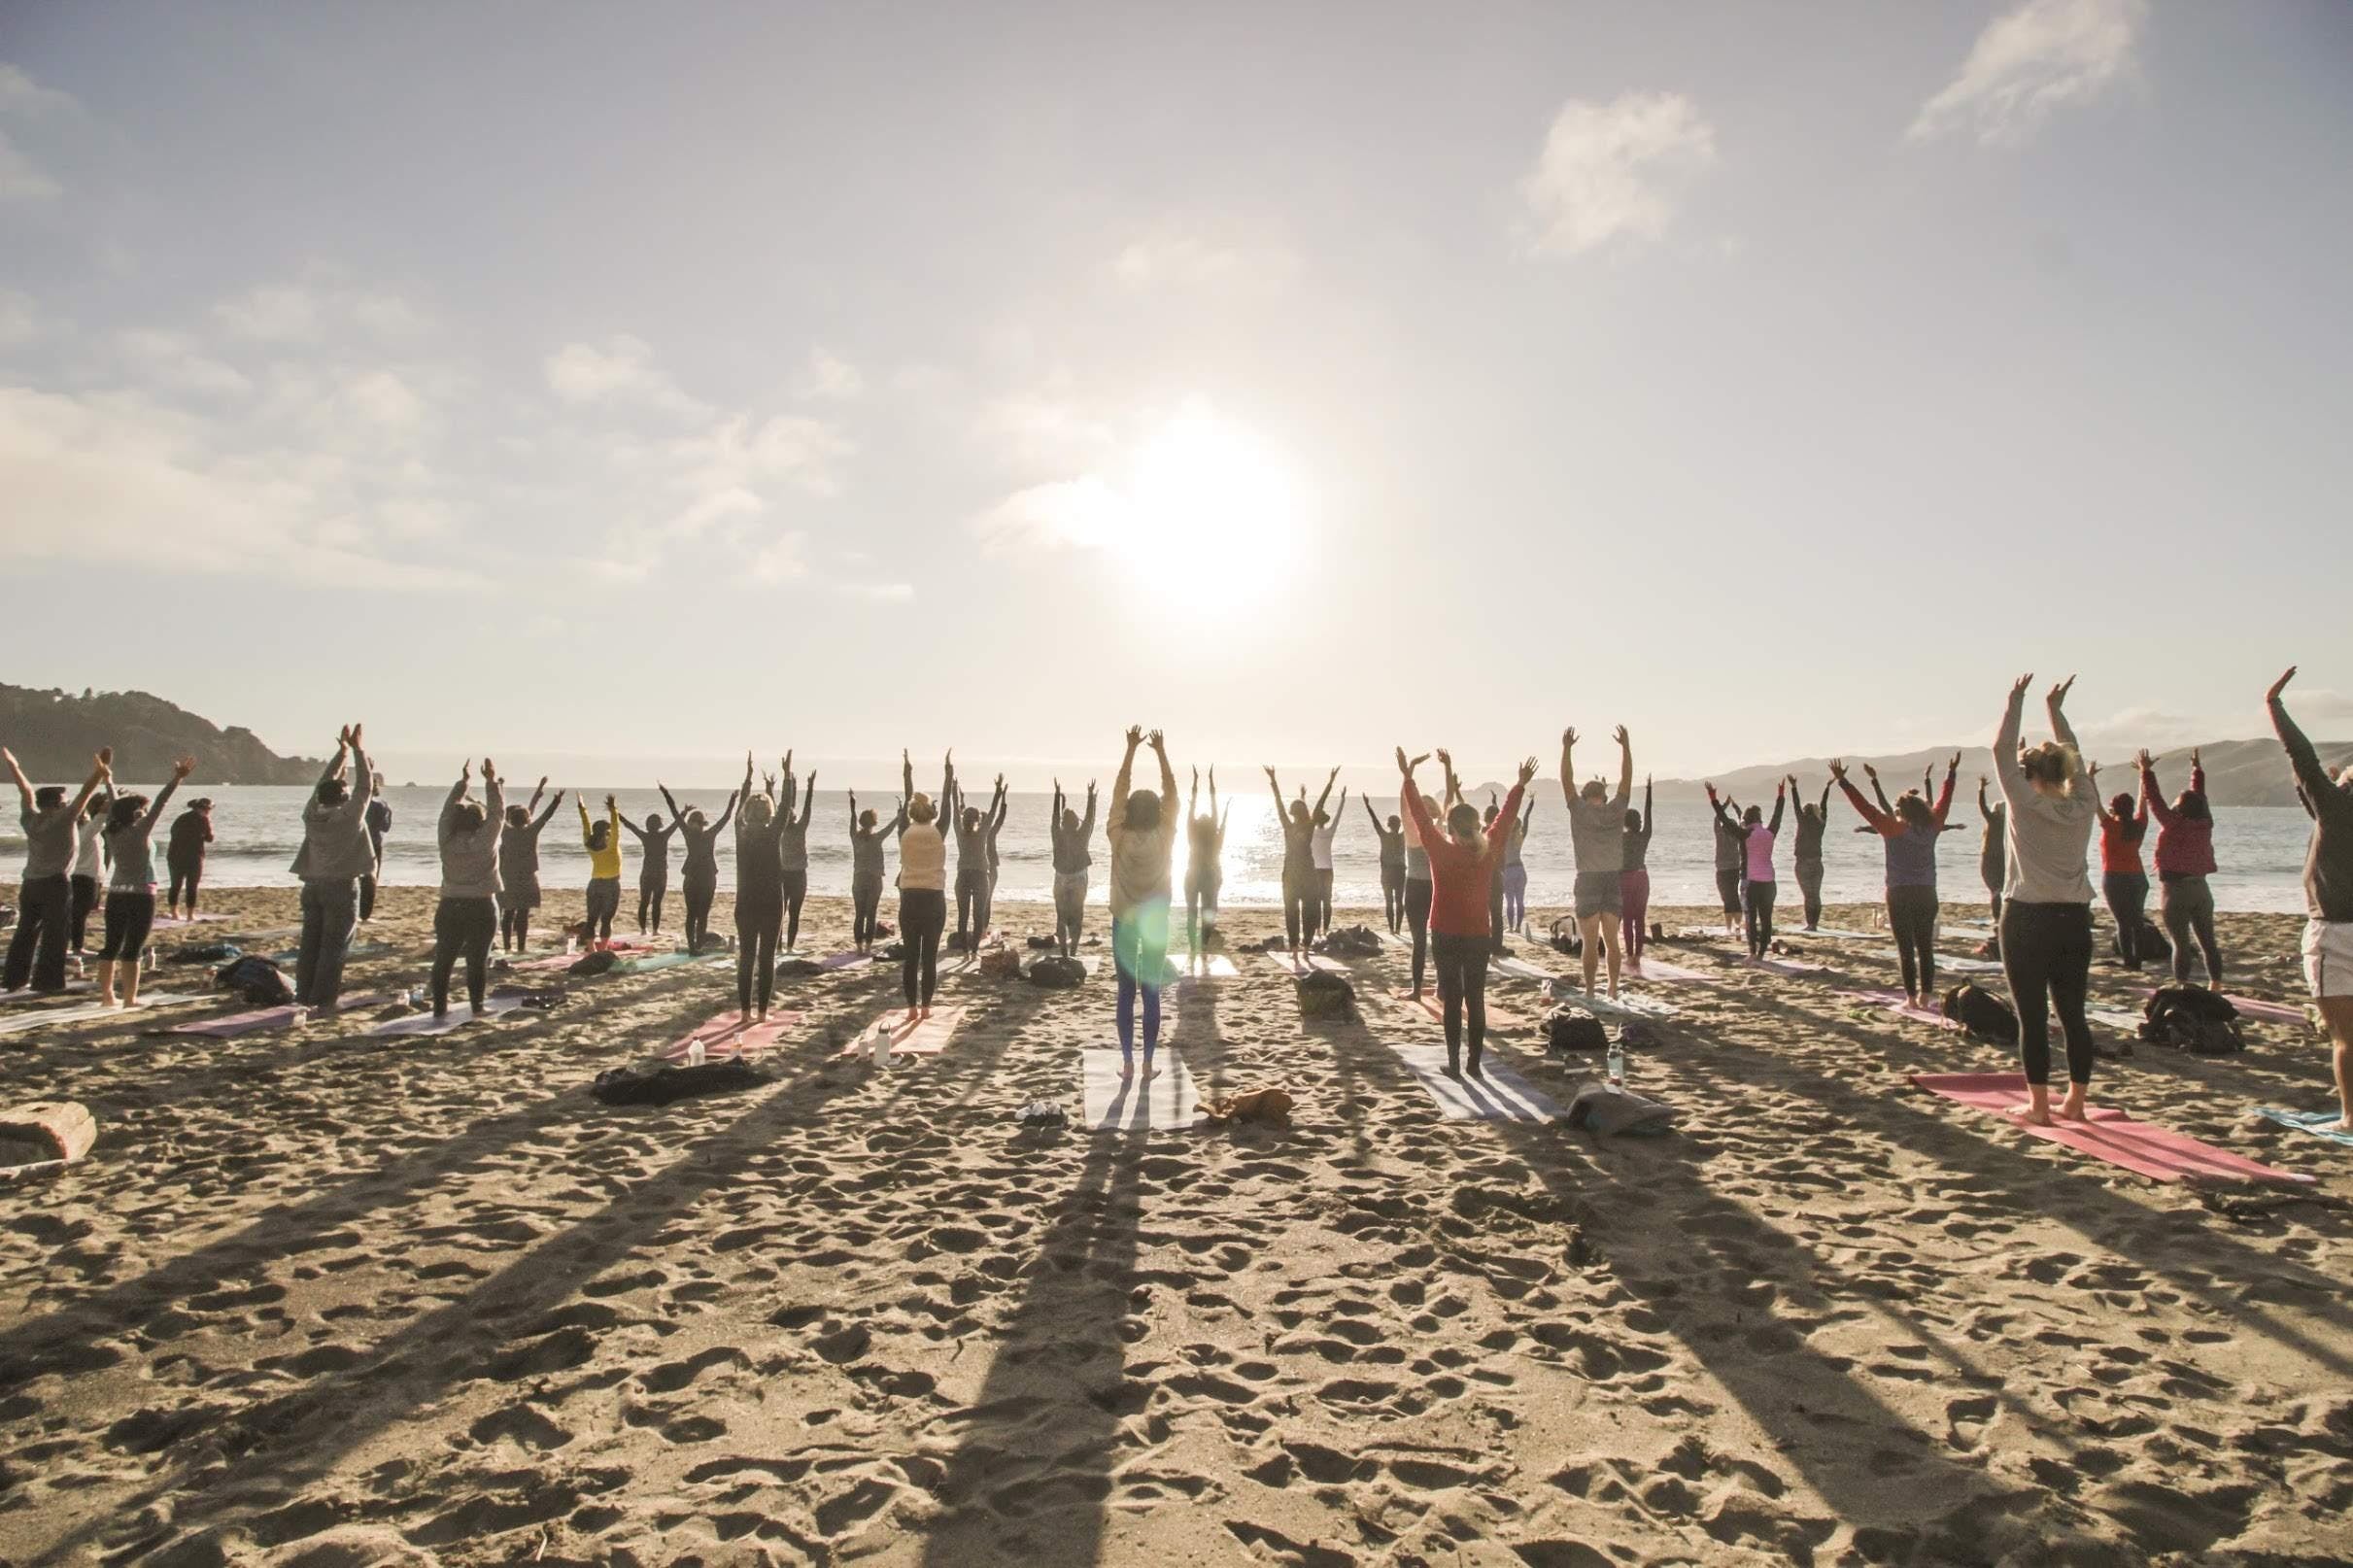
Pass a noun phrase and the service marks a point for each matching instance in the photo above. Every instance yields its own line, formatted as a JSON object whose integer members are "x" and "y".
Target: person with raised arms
{"x": 1758, "y": 884}
{"x": 972, "y": 832}
{"x": 183, "y": 855}
{"x": 1325, "y": 829}
{"x": 1391, "y": 835}
{"x": 2046, "y": 920}
{"x": 465, "y": 920}
{"x": 1806, "y": 850}
{"x": 518, "y": 865}
{"x": 868, "y": 835}
{"x": 792, "y": 849}
{"x": 1142, "y": 828}
{"x": 1296, "y": 821}
{"x": 1634, "y": 880}
{"x": 44, "y": 895}
{"x": 1731, "y": 856}
{"x": 602, "y": 840}
{"x": 333, "y": 857}
{"x": 1992, "y": 853}
{"x": 2123, "y": 885}
{"x": 923, "y": 874}
{"x": 2328, "y": 942}
{"x": 1205, "y": 863}
{"x": 698, "y": 873}
{"x": 1069, "y": 834}
{"x": 759, "y": 896}
{"x": 2185, "y": 858}
{"x": 653, "y": 868}
{"x": 1461, "y": 861}
{"x": 1515, "y": 872}
{"x": 1597, "y": 830}
{"x": 1909, "y": 832}
{"x": 91, "y": 865}
{"x": 130, "y": 890}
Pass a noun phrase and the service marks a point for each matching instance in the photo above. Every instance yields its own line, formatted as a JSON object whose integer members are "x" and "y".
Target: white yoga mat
{"x": 22, "y": 1022}
{"x": 1518, "y": 969}
{"x": 1306, "y": 962}
{"x": 1959, "y": 966}
{"x": 1498, "y": 1095}
{"x": 1625, "y": 1004}
{"x": 1213, "y": 966}
{"x": 457, "y": 1017}
{"x": 1836, "y": 933}
{"x": 1166, "y": 1102}
{"x": 1658, "y": 969}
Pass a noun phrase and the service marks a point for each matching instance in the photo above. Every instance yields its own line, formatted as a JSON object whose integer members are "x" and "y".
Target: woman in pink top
{"x": 2185, "y": 858}
{"x": 1757, "y": 889}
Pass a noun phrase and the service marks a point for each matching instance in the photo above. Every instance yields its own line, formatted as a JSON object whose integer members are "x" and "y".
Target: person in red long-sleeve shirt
{"x": 2122, "y": 883}
{"x": 2185, "y": 858}
{"x": 1461, "y": 862}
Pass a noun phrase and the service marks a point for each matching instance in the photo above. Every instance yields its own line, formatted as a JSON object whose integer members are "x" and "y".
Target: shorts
{"x": 1727, "y": 884}
{"x": 1600, "y": 893}
{"x": 2329, "y": 957}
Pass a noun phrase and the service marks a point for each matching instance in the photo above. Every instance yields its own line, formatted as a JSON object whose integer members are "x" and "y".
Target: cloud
{"x": 717, "y": 506}
{"x": 622, "y": 371}
{"x": 2029, "y": 62}
{"x": 275, "y": 314}
{"x": 21, "y": 178}
{"x": 1186, "y": 260}
{"x": 794, "y": 448}
{"x": 1608, "y": 171}
{"x": 175, "y": 360}
{"x": 1043, "y": 431}
{"x": 22, "y": 96}
{"x": 1068, "y": 514}
{"x": 877, "y": 593}
{"x": 323, "y": 304}
{"x": 114, "y": 479}
{"x": 780, "y": 560}
{"x": 829, "y": 377}
{"x": 19, "y": 319}
{"x": 24, "y": 99}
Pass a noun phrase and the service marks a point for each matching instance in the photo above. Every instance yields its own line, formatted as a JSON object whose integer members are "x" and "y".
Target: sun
{"x": 1215, "y": 512}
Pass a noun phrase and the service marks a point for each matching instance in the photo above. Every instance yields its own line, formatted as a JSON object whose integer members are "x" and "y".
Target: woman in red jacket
{"x": 1462, "y": 860}
{"x": 2185, "y": 858}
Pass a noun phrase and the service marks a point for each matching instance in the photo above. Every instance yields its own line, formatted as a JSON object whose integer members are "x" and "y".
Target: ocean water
{"x": 2261, "y": 851}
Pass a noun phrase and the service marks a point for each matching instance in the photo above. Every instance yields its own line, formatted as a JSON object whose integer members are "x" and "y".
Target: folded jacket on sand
{"x": 2110, "y": 1135}
{"x": 2319, "y": 1123}
{"x": 1620, "y": 1114}
{"x": 1165, "y": 1102}
{"x": 1497, "y": 1094}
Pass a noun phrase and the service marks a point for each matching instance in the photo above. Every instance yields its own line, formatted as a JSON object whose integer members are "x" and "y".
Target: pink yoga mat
{"x": 1894, "y": 1003}
{"x": 2111, "y": 1135}
{"x": 727, "y": 1035}
{"x": 926, "y": 1039}
{"x": 247, "y": 1023}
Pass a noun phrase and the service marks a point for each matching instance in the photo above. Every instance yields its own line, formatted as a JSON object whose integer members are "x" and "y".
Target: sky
{"x": 597, "y": 381}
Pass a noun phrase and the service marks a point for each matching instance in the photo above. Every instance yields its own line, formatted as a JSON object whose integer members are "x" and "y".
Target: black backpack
{"x": 1984, "y": 1015}
{"x": 2152, "y": 944}
{"x": 593, "y": 963}
{"x": 205, "y": 953}
{"x": 1565, "y": 937}
{"x": 660, "y": 1086}
{"x": 1567, "y": 1029}
{"x": 798, "y": 968}
{"x": 1057, "y": 973}
{"x": 1325, "y": 995}
{"x": 2193, "y": 1019}
{"x": 256, "y": 981}
{"x": 1349, "y": 942}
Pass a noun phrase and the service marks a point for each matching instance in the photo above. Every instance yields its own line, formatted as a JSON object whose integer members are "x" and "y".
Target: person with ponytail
{"x": 1909, "y": 832}
{"x": 2046, "y": 921}
{"x": 2185, "y": 858}
{"x": 130, "y": 890}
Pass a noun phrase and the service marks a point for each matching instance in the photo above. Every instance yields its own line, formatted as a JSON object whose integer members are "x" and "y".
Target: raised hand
{"x": 2091, "y": 770}
{"x": 610, "y": 804}
{"x": 1527, "y": 772}
{"x": 1621, "y": 737}
{"x": 488, "y": 772}
{"x": 2145, "y": 760}
{"x": 788, "y": 762}
{"x": 1160, "y": 742}
{"x": 465, "y": 769}
{"x": 1869, "y": 771}
{"x": 354, "y": 737}
{"x": 183, "y": 767}
{"x": 2058, "y": 693}
{"x": 2280, "y": 685}
{"x": 1135, "y": 736}
{"x": 343, "y": 738}
{"x": 1953, "y": 767}
{"x": 1568, "y": 736}
{"x": 2197, "y": 759}
{"x": 1405, "y": 764}
{"x": 2018, "y": 688}
{"x": 1838, "y": 769}
{"x": 1446, "y": 760}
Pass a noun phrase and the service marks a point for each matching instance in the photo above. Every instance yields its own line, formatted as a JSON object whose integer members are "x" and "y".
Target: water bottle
{"x": 694, "y": 1053}
{"x": 882, "y": 1046}
{"x": 1617, "y": 1067}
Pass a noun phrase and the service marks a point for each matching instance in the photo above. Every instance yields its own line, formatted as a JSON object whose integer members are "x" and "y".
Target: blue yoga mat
{"x": 2308, "y": 1121}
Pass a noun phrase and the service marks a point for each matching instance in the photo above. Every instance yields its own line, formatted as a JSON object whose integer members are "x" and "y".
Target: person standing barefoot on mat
{"x": 1597, "y": 830}
{"x": 2327, "y": 893}
{"x": 653, "y": 868}
{"x": 519, "y": 866}
{"x": 1462, "y": 863}
{"x": 1806, "y": 855}
{"x": 602, "y": 841}
{"x": 130, "y": 890}
{"x": 333, "y": 857}
{"x": 923, "y": 882}
{"x": 37, "y": 946}
{"x": 2185, "y": 858}
{"x": 1909, "y": 832}
{"x": 1418, "y": 885}
{"x": 2123, "y": 885}
{"x": 1204, "y": 866}
{"x": 1392, "y": 865}
{"x": 2046, "y": 924}
{"x": 466, "y": 918}
{"x": 183, "y": 855}
{"x": 1142, "y": 831}
{"x": 1732, "y": 855}
{"x": 1634, "y": 882}
{"x": 699, "y": 874}
{"x": 759, "y": 898}
{"x": 1325, "y": 828}
{"x": 793, "y": 850}
{"x": 1069, "y": 834}
{"x": 1757, "y": 883}
{"x": 1297, "y": 823}
{"x": 868, "y": 834}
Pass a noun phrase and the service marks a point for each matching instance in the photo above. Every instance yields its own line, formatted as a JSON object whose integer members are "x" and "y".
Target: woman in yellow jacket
{"x": 603, "y": 842}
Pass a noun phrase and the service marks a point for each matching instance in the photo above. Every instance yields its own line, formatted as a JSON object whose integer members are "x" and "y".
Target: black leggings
{"x": 2128, "y": 896}
{"x": 1912, "y": 916}
{"x": 650, "y": 898}
{"x": 758, "y": 916}
{"x": 184, "y": 885}
{"x": 462, "y": 928}
{"x": 1757, "y": 904}
{"x": 1809, "y": 885}
{"x": 603, "y": 902}
{"x": 2187, "y": 904}
{"x": 85, "y": 903}
{"x": 367, "y": 897}
{"x": 514, "y": 926}
{"x": 36, "y": 947}
{"x": 1418, "y": 916}
{"x": 129, "y": 917}
{"x": 699, "y": 896}
{"x": 972, "y": 902}
{"x": 1393, "y": 898}
{"x": 2046, "y": 951}
{"x": 923, "y": 914}
{"x": 1299, "y": 907}
{"x": 1462, "y": 989}
{"x": 796, "y": 889}
{"x": 1494, "y": 913}
{"x": 865, "y": 899}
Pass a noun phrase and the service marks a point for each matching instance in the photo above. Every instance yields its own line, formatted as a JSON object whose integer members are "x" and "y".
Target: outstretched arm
{"x": 2006, "y": 772}
{"x": 1985, "y": 812}
{"x": 549, "y": 811}
{"x": 906, "y": 776}
{"x": 1944, "y": 796}
{"x": 1874, "y": 819}
{"x": 1086, "y": 828}
{"x": 1625, "y": 769}
{"x": 1366, "y": 802}
{"x": 155, "y": 813}
{"x": 1877, "y": 794}
{"x": 2312, "y": 778}
{"x": 2055, "y": 705}
{"x": 1780, "y": 797}
{"x": 531, "y": 808}
{"x": 25, "y": 786}
{"x": 998, "y": 806}
{"x": 1568, "y": 770}
{"x": 809, "y": 802}
{"x": 1410, "y": 797}
{"x": 1325, "y": 799}
{"x": 1649, "y": 818}
{"x": 1716, "y": 807}
{"x": 582, "y": 804}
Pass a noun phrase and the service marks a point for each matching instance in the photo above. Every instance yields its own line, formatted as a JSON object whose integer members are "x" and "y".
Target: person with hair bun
{"x": 2046, "y": 921}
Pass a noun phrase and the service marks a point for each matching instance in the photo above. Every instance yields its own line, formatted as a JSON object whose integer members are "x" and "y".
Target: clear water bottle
{"x": 1615, "y": 1067}
{"x": 695, "y": 1053}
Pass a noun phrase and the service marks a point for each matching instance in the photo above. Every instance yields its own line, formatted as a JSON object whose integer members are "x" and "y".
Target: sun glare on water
{"x": 1215, "y": 512}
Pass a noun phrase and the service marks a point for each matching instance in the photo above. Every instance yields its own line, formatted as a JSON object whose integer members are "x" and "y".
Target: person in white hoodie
{"x": 2046, "y": 920}
{"x": 335, "y": 854}
{"x": 465, "y": 922}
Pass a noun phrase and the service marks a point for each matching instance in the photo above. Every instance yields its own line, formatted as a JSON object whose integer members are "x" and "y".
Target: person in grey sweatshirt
{"x": 335, "y": 854}
{"x": 465, "y": 922}
{"x": 2046, "y": 921}
{"x": 130, "y": 890}
{"x": 36, "y": 948}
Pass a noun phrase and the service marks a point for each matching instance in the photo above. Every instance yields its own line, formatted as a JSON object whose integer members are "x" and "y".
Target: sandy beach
{"x": 317, "y": 1297}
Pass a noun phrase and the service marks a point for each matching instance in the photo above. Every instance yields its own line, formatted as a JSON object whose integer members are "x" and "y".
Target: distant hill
{"x": 53, "y": 735}
{"x": 2239, "y": 772}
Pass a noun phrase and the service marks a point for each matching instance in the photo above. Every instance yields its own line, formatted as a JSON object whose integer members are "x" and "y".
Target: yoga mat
{"x": 1499, "y": 1094}
{"x": 926, "y": 1039}
{"x": 173, "y": 922}
{"x": 460, "y": 1015}
{"x": 231, "y": 1025}
{"x": 648, "y": 963}
{"x": 1658, "y": 969}
{"x": 1623, "y": 1005}
{"x": 725, "y": 1037}
{"x": 294, "y": 955}
{"x": 1306, "y": 962}
{"x": 1518, "y": 969}
{"x": 846, "y": 961}
{"x": 22, "y": 1022}
{"x": 2307, "y": 1121}
{"x": 1497, "y": 1017}
{"x": 19, "y": 999}
{"x": 2128, "y": 1022}
{"x": 1894, "y": 1003}
{"x": 1782, "y": 966}
{"x": 1838, "y": 933}
{"x": 1165, "y": 1102}
{"x": 2112, "y": 1136}
{"x": 1959, "y": 966}
{"x": 2277, "y": 1012}
{"x": 1213, "y": 966}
